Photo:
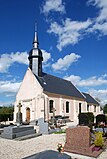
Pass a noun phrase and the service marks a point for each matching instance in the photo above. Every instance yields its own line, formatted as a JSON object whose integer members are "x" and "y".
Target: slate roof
{"x": 60, "y": 86}
{"x": 90, "y": 99}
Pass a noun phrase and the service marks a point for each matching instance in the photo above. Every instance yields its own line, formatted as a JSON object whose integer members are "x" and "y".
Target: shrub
{"x": 100, "y": 118}
{"x": 99, "y": 141}
{"x": 5, "y": 116}
{"x": 86, "y": 118}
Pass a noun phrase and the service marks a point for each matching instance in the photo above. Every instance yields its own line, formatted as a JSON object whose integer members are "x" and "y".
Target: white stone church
{"x": 40, "y": 92}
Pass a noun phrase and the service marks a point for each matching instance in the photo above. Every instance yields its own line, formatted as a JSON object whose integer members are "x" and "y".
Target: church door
{"x": 27, "y": 114}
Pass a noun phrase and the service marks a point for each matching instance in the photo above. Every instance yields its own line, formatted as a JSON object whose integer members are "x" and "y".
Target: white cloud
{"x": 8, "y": 87}
{"x": 70, "y": 32}
{"x": 46, "y": 56}
{"x": 6, "y": 103}
{"x": 100, "y": 22}
{"x": 92, "y": 81}
{"x": 74, "y": 79}
{"x": 53, "y": 5}
{"x": 100, "y": 94}
{"x": 8, "y": 90}
{"x": 6, "y": 60}
{"x": 102, "y": 5}
{"x": 102, "y": 28}
{"x": 63, "y": 64}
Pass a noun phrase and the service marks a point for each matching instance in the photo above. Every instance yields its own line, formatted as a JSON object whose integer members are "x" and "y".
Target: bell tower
{"x": 35, "y": 56}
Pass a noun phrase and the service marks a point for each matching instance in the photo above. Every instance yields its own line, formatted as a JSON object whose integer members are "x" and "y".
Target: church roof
{"x": 90, "y": 99}
{"x": 60, "y": 86}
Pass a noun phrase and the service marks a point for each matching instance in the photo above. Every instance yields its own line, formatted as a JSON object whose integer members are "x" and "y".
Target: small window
{"x": 88, "y": 107}
{"x": 100, "y": 108}
{"x": 94, "y": 108}
{"x": 79, "y": 107}
{"x": 51, "y": 106}
{"x": 67, "y": 107}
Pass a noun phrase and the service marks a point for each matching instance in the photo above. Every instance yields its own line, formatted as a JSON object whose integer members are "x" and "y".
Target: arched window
{"x": 51, "y": 106}
{"x": 67, "y": 107}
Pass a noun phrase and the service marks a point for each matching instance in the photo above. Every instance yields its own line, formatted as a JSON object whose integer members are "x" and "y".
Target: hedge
{"x": 100, "y": 118}
{"x": 6, "y": 116}
{"x": 86, "y": 118}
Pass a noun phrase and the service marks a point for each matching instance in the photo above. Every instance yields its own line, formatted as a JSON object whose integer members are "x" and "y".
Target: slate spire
{"x": 35, "y": 56}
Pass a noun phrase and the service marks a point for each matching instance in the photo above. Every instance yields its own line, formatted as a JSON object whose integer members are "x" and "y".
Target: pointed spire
{"x": 35, "y": 41}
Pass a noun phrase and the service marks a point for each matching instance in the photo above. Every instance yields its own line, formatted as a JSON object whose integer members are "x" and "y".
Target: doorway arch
{"x": 28, "y": 114}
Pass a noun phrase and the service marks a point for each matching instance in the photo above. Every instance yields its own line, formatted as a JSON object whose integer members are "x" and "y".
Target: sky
{"x": 72, "y": 36}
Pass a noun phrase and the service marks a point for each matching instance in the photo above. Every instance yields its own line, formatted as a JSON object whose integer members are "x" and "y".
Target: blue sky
{"x": 72, "y": 36}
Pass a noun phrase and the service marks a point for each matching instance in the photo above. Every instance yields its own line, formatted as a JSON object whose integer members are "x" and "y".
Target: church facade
{"x": 40, "y": 93}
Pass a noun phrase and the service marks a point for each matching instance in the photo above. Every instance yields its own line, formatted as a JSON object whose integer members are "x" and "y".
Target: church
{"x": 41, "y": 92}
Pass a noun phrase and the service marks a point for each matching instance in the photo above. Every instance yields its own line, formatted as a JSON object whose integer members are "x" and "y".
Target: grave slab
{"x": 12, "y": 132}
{"x": 49, "y": 154}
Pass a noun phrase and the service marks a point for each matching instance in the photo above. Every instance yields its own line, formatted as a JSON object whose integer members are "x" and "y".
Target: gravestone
{"x": 12, "y": 132}
{"x": 19, "y": 115}
{"x": 53, "y": 117}
{"x": 43, "y": 126}
{"x": 48, "y": 154}
{"x": 78, "y": 140}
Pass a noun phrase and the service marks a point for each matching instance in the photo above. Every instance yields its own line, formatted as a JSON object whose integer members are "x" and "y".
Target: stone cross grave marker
{"x": 19, "y": 114}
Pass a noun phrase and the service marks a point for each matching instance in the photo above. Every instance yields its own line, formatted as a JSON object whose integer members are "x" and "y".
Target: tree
{"x": 105, "y": 109}
{"x": 6, "y": 113}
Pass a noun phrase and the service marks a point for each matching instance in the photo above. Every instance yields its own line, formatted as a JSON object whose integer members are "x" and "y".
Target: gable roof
{"x": 60, "y": 86}
{"x": 90, "y": 99}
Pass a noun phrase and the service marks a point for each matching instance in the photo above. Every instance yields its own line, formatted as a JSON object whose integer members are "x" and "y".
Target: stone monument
{"x": 53, "y": 117}
{"x": 78, "y": 140}
{"x": 12, "y": 132}
{"x": 19, "y": 115}
{"x": 43, "y": 126}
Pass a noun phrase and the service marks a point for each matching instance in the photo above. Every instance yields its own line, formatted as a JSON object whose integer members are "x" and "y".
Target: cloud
{"x": 6, "y": 103}
{"x": 70, "y": 32}
{"x": 65, "y": 63}
{"x": 89, "y": 82}
{"x": 8, "y": 90}
{"x": 102, "y": 5}
{"x": 9, "y": 87}
{"x": 100, "y": 94}
{"x": 53, "y": 5}
{"x": 100, "y": 22}
{"x": 74, "y": 79}
{"x": 6, "y": 60}
{"x": 46, "y": 56}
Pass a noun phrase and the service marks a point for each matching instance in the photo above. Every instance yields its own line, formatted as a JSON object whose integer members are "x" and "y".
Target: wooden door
{"x": 27, "y": 114}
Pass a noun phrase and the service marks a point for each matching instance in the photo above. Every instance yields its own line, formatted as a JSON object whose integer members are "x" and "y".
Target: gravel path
{"x": 12, "y": 149}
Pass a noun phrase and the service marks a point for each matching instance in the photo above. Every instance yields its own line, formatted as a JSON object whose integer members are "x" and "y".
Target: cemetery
{"x": 89, "y": 138}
